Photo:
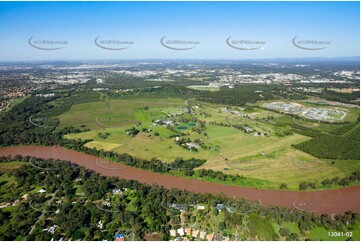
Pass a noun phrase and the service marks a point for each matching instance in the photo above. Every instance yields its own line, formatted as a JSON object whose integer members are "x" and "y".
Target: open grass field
{"x": 9, "y": 166}
{"x": 251, "y": 141}
{"x": 114, "y": 113}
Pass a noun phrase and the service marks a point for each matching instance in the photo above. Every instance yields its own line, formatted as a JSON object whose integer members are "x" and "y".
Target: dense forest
{"x": 340, "y": 143}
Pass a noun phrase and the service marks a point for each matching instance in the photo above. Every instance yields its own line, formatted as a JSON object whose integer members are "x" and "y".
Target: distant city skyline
{"x": 178, "y": 30}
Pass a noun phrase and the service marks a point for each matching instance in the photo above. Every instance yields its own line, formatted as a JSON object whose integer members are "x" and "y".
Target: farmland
{"x": 249, "y": 141}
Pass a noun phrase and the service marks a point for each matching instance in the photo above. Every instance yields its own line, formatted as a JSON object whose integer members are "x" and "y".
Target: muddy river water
{"x": 329, "y": 201}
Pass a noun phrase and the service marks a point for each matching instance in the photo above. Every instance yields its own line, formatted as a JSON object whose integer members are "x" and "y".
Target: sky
{"x": 207, "y": 25}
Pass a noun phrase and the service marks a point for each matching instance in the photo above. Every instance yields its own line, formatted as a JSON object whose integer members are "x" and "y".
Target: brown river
{"x": 330, "y": 201}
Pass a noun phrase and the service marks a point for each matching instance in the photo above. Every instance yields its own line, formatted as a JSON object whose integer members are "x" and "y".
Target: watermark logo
{"x": 44, "y": 122}
{"x": 109, "y": 165}
{"x": 307, "y": 44}
{"x": 108, "y": 122}
{"x": 178, "y": 44}
{"x": 44, "y": 164}
{"x": 242, "y": 206}
{"x": 182, "y": 165}
{"x": 312, "y": 207}
{"x": 43, "y": 44}
{"x": 42, "y": 207}
{"x": 112, "y": 117}
{"x": 45, "y": 204}
{"x": 310, "y": 165}
{"x": 114, "y": 44}
{"x": 107, "y": 206}
{"x": 247, "y": 45}
{"x": 246, "y": 164}
{"x": 174, "y": 206}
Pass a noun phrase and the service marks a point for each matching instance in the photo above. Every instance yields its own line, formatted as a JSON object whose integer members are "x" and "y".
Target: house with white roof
{"x": 180, "y": 231}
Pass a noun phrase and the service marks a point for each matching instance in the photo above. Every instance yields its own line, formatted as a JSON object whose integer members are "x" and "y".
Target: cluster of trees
{"x": 145, "y": 130}
{"x": 220, "y": 124}
{"x": 34, "y": 121}
{"x": 132, "y": 131}
{"x": 341, "y": 141}
{"x": 15, "y": 127}
{"x": 337, "y": 96}
{"x": 168, "y": 90}
{"x": 182, "y": 142}
{"x": 123, "y": 81}
{"x": 343, "y": 129}
{"x": 186, "y": 164}
{"x": 201, "y": 143}
{"x": 283, "y": 186}
{"x": 78, "y": 217}
{"x": 345, "y": 181}
{"x": 103, "y": 135}
{"x": 217, "y": 175}
{"x": 355, "y": 176}
{"x": 21, "y": 221}
{"x": 86, "y": 96}
{"x": 238, "y": 96}
{"x": 331, "y": 146}
{"x": 245, "y": 128}
{"x": 305, "y": 185}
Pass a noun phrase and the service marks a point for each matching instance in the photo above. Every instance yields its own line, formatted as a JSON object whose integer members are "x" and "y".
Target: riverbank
{"x": 334, "y": 201}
